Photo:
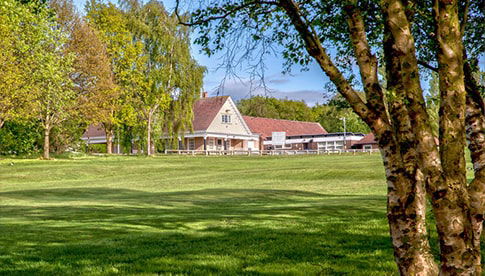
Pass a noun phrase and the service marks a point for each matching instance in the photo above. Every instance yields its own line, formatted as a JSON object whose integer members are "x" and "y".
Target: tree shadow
{"x": 210, "y": 231}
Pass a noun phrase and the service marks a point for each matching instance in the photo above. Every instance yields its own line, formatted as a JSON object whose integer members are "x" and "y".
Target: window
{"x": 226, "y": 119}
{"x": 367, "y": 147}
{"x": 191, "y": 144}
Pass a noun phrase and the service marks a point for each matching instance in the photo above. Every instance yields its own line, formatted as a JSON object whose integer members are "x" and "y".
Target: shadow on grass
{"x": 221, "y": 231}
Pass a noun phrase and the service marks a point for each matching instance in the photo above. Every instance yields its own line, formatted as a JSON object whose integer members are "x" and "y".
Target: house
{"x": 367, "y": 143}
{"x": 337, "y": 141}
{"x": 95, "y": 134}
{"x": 297, "y": 135}
{"x": 218, "y": 125}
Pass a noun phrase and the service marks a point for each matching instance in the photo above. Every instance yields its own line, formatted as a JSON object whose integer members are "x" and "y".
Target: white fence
{"x": 271, "y": 152}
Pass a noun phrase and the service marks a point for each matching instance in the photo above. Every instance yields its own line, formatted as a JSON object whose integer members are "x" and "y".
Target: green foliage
{"x": 20, "y": 138}
{"x": 433, "y": 102}
{"x": 329, "y": 116}
{"x": 22, "y": 28}
{"x": 268, "y": 107}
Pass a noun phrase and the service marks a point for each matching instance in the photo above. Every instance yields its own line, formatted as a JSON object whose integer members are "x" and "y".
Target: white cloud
{"x": 240, "y": 89}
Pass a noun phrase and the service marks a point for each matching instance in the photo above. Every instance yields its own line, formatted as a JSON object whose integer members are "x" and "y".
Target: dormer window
{"x": 226, "y": 119}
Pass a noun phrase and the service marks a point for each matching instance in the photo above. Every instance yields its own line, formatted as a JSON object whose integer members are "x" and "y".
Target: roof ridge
{"x": 211, "y": 98}
{"x": 283, "y": 120}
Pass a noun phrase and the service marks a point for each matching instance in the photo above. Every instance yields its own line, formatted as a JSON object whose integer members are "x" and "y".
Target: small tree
{"x": 55, "y": 100}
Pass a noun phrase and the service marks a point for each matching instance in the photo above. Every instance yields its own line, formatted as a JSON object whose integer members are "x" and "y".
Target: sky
{"x": 307, "y": 85}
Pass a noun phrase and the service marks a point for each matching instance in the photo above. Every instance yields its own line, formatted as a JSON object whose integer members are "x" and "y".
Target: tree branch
{"x": 225, "y": 14}
{"x": 427, "y": 66}
{"x": 367, "y": 62}
{"x": 316, "y": 50}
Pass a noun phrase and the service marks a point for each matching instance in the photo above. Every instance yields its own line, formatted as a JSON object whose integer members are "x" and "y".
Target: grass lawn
{"x": 195, "y": 215}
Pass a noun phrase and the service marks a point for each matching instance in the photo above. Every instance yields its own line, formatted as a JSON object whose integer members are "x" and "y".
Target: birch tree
{"x": 406, "y": 37}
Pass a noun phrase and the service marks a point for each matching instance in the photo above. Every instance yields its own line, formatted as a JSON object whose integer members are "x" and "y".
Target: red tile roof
{"x": 205, "y": 109}
{"x": 368, "y": 139}
{"x": 94, "y": 131}
{"x": 265, "y": 127}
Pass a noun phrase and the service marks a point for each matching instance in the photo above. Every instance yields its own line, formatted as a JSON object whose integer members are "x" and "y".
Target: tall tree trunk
{"x": 406, "y": 213}
{"x": 46, "y": 142}
{"x": 454, "y": 221}
{"x": 1, "y": 123}
{"x": 109, "y": 140}
{"x": 149, "y": 134}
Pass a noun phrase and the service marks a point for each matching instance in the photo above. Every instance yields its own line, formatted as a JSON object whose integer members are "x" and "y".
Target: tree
{"x": 97, "y": 96}
{"x": 39, "y": 86}
{"x": 329, "y": 116}
{"x": 405, "y": 35}
{"x": 18, "y": 25}
{"x": 126, "y": 62}
{"x": 55, "y": 98}
{"x": 268, "y": 107}
{"x": 170, "y": 73}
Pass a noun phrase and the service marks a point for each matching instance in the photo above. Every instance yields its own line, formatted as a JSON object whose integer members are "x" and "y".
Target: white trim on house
{"x": 318, "y": 139}
{"x": 239, "y": 116}
{"x": 95, "y": 139}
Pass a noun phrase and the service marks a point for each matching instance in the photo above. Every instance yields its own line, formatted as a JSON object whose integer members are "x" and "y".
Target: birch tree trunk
{"x": 46, "y": 150}
{"x": 149, "y": 133}
{"x": 109, "y": 140}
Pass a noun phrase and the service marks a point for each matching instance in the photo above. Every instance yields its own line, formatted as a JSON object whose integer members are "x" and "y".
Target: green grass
{"x": 195, "y": 215}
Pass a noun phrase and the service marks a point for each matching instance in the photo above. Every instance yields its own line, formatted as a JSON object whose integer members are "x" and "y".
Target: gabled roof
{"x": 265, "y": 127}
{"x": 368, "y": 139}
{"x": 205, "y": 110}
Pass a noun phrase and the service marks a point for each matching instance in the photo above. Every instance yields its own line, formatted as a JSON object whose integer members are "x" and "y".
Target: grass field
{"x": 195, "y": 215}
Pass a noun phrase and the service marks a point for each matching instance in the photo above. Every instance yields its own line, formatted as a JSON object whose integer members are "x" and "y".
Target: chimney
{"x": 205, "y": 94}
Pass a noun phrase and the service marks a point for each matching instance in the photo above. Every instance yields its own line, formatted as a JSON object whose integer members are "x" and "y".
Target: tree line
{"x": 124, "y": 67}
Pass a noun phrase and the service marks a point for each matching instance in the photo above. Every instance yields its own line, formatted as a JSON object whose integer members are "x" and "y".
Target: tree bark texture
{"x": 454, "y": 221}
{"x": 475, "y": 131}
